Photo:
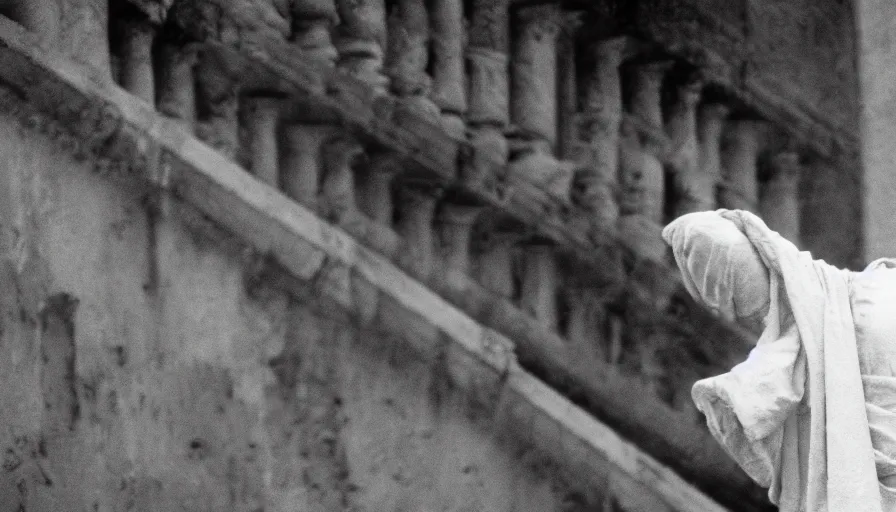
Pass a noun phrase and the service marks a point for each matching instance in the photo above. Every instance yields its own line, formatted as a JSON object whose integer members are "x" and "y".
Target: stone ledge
{"x": 131, "y": 141}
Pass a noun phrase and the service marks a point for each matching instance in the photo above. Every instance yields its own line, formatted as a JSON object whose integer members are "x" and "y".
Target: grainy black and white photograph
{"x": 447, "y": 255}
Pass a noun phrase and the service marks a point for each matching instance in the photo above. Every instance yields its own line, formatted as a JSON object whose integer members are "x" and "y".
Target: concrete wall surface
{"x": 137, "y": 373}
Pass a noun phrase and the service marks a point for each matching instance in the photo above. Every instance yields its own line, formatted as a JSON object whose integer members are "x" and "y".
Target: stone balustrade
{"x": 615, "y": 156}
{"x": 599, "y": 141}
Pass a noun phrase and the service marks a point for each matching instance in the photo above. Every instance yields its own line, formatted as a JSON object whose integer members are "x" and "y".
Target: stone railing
{"x": 516, "y": 167}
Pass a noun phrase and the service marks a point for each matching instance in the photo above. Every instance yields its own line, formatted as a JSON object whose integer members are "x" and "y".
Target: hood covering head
{"x": 718, "y": 264}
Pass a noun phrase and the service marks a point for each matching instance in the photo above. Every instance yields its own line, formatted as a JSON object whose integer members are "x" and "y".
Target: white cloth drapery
{"x": 794, "y": 414}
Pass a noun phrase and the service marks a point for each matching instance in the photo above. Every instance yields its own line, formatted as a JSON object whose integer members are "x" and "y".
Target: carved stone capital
{"x": 539, "y": 22}
{"x": 490, "y": 26}
{"x": 363, "y": 20}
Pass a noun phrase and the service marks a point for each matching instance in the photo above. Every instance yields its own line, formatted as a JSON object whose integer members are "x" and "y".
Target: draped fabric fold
{"x": 794, "y": 414}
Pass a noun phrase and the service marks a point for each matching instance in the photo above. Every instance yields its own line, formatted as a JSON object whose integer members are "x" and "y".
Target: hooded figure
{"x": 811, "y": 413}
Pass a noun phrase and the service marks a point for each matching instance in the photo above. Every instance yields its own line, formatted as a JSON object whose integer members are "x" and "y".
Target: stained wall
{"x": 141, "y": 372}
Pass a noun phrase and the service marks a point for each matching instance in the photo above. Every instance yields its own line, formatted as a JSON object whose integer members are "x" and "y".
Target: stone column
{"x": 177, "y": 86}
{"x": 739, "y": 165}
{"x": 137, "y": 69}
{"x": 488, "y": 109}
{"x": 534, "y": 100}
{"x": 710, "y": 122}
{"x": 303, "y": 161}
{"x": 337, "y": 188}
{"x": 568, "y": 87}
{"x": 408, "y": 56}
{"x": 534, "y": 73}
{"x": 586, "y": 330}
{"x": 361, "y": 39}
{"x": 494, "y": 262}
{"x": 488, "y": 60}
{"x": 538, "y": 293}
{"x": 876, "y": 41}
{"x": 695, "y": 190}
{"x": 449, "y": 81}
{"x": 779, "y": 204}
{"x": 218, "y": 104}
{"x": 417, "y": 206}
{"x": 264, "y": 114}
{"x": 84, "y": 32}
{"x": 312, "y": 22}
{"x": 598, "y": 148}
{"x": 641, "y": 205}
{"x": 375, "y": 186}
{"x": 456, "y": 225}
{"x": 643, "y": 182}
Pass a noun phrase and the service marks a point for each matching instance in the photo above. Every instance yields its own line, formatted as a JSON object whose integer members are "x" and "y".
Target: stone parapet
{"x": 133, "y": 143}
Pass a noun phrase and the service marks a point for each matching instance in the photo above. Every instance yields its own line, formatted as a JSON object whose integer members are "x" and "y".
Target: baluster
{"x": 361, "y": 39}
{"x": 303, "y": 161}
{"x": 456, "y": 226}
{"x": 647, "y": 182}
{"x": 494, "y": 261}
{"x": 448, "y": 80}
{"x": 710, "y": 122}
{"x": 488, "y": 110}
{"x": 739, "y": 162}
{"x": 642, "y": 175}
{"x": 417, "y": 204}
{"x": 408, "y": 55}
{"x": 264, "y": 114}
{"x": 538, "y": 294}
{"x": 568, "y": 93}
{"x": 136, "y": 69}
{"x": 598, "y": 149}
{"x": 83, "y": 32}
{"x": 375, "y": 186}
{"x": 312, "y": 21}
{"x": 696, "y": 190}
{"x": 177, "y": 86}
{"x": 488, "y": 58}
{"x": 586, "y": 330}
{"x": 646, "y": 93}
{"x": 218, "y": 103}
{"x": 534, "y": 100}
{"x": 780, "y": 196}
{"x": 534, "y": 73}
{"x": 337, "y": 189}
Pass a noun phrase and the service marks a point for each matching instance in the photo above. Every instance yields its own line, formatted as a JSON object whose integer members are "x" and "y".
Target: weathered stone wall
{"x": 139, "y": 372}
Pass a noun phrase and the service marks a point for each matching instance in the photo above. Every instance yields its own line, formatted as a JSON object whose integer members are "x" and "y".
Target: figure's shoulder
{"x": 881, "y": 263}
